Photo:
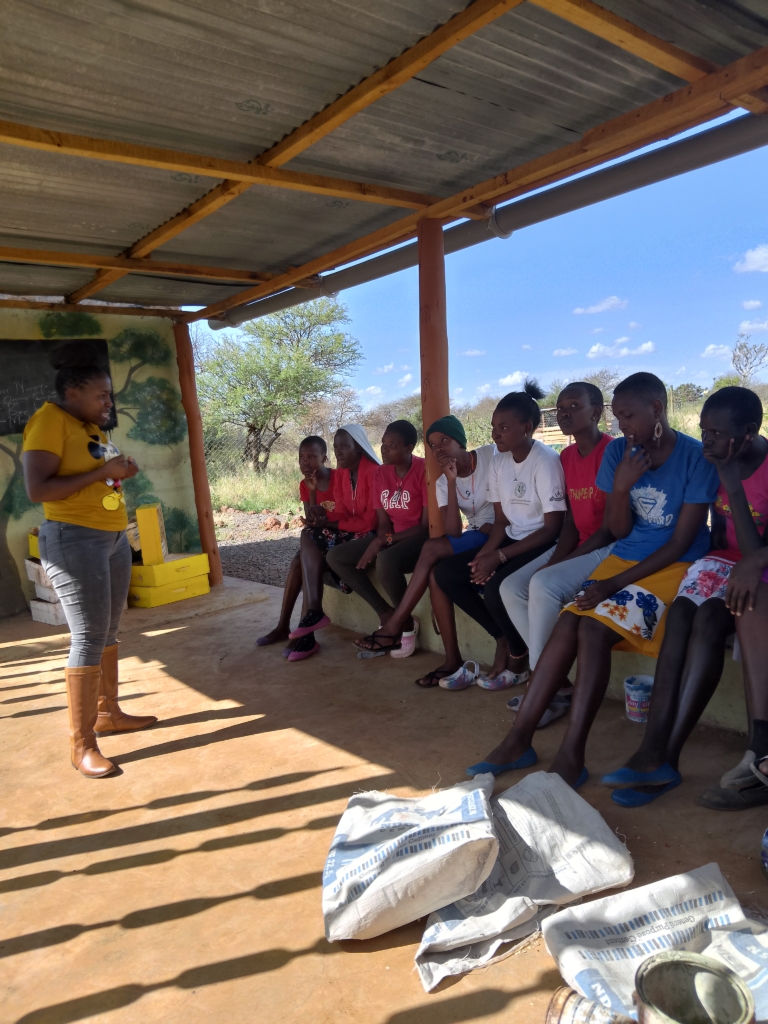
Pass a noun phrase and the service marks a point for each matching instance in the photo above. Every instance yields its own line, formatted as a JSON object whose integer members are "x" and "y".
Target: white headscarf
{"x": 358, "y": 434}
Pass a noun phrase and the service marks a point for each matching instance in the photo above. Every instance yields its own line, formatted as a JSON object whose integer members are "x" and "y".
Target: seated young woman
{"x": 535, "y": 595}
{"x": 659, "y": 489}
{"x": 400, "y": 500}
{"x": 354, "y": 518}
{"x": 462, "y": 487}
{"x": 527, "y": 488}
{"x": 746, "y": 597}
{"x": 698, "y": 623}
{"x": 315, "y": 490}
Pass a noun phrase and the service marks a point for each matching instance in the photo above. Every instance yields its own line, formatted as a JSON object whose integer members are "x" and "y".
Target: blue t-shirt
{"x": 657, "y": 497}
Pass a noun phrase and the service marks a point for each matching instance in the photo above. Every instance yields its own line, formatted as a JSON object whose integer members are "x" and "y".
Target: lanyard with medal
{"x": 113, "y": 501}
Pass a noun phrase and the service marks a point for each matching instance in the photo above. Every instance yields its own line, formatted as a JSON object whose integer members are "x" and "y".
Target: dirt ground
{"x": 250, "y": 552}
{"x": 187, "y": 887}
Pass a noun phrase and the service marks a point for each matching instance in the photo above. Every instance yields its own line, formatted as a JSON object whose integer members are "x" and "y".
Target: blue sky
{"x": 665, "y": 278}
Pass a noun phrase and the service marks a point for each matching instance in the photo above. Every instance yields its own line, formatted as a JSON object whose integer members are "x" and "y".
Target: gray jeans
{"x": 90, "y": 571}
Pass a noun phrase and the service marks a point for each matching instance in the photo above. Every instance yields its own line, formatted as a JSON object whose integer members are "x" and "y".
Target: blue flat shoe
{"x": 582, "y": 778}
{"x": 485, "y": 767}
{"x": 631, "y": 777}
{"x": 631, "y": 797}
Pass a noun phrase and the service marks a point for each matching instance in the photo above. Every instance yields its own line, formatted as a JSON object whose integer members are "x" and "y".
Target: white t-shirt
{"x": 528, "y": 489}
{"x": 472, "y": 491}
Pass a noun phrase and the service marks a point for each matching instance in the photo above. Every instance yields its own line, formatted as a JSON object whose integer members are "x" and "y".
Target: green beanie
{"x": 451, "y": 427}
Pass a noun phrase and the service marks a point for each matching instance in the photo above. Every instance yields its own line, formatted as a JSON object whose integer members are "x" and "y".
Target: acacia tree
{"x": 271, "y": 372}
{"x": 748, "y": 359}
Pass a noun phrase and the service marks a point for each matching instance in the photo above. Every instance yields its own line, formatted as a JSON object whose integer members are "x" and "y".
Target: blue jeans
{"x": 90, "y": 571}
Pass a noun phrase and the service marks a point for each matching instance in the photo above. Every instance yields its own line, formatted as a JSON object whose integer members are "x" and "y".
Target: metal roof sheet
{"x": 229, "y": 78}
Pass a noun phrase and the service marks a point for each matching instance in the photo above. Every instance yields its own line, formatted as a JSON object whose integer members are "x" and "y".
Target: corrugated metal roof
{"x": 231, "y": 77}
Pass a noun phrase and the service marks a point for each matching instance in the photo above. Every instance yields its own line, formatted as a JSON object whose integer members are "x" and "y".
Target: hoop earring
{"x": 658, "y": 430}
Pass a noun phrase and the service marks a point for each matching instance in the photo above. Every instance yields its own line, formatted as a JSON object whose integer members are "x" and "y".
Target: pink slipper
{"x": 302, "y": 630}
{"x": 301, "y": 655}
{"x": 407, "y": 642}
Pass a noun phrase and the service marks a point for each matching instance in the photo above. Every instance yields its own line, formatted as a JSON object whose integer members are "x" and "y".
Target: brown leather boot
{"x": 111, "y": 717}
{"x": 82, "y": 700}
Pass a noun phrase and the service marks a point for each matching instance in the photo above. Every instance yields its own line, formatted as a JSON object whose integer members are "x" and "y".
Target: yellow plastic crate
{"x": 34, "y": 545}
{"x": 153, "y": 597}
{"x": 178, "y": 567}
{"x": 154, "y": 547}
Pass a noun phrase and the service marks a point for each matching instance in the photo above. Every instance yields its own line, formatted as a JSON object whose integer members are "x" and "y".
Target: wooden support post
{"x": 186, "y": 361}
{"x": 433, "y": 337}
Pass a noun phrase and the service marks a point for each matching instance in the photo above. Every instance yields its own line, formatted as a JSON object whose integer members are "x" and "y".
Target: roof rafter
{"x": 189, "y": 163}
{"x": 54, "y": 258}
{"x": 694, "y": 104}
{"x": 603, "y": 23}
{"x": 69, "y": 307}
{"x": 394, "y": 74}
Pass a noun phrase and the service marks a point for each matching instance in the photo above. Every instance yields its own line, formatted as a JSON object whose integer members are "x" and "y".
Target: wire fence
{"x": 224, "y": 451}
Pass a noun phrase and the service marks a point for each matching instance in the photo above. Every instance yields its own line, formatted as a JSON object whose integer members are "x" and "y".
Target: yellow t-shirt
{"x": 80, "y": 447}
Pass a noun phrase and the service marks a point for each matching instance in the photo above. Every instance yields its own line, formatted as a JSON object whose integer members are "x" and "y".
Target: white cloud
{"x": 633, "y": 325}
{"x": 513, "y": 379}
{"x": 752, "y": 304}
{"x": 716, "y": 352}
{"x": 679, "y": 372}
{"x": 405, "y": 367}
{"x": 620, "y": 348}
{"x": 372, "y": 390}
{"x": 385, "y": 369}
{"x": 754, "y": 259}
{"x": 483, "y": 389}
{"x": 475, "y": 352}
{"x": 565, "y": 352}
{"x": 405, "y": 380}
{"x": 416, "y": 391}
{"x": 597, "y": 330}
{"x": 612, "y": 302}
{"x": 750, "y": 326}
{"x": 526, "y": 348}
{"x": 457, "y": 391}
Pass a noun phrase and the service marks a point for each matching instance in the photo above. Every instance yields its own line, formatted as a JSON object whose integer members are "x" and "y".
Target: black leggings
{"x": 452, "y": 575}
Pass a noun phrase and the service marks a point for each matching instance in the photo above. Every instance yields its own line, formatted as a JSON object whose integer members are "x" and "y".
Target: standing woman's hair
{"x": 741, "y": 404}
{"x": 523, "y": 403}
{"x": 76, "y": 364}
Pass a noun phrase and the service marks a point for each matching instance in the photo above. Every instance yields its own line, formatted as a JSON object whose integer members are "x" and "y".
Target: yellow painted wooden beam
{"x": 54, "y": 258}
{"x": 69, "y": 307}
{"x": 694, "y": 104}
{"x": 662, "y": 54}
{"x": 189, "y": 163}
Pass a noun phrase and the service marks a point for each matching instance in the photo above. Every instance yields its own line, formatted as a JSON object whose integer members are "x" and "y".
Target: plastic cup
{"x": 637, "y": 697}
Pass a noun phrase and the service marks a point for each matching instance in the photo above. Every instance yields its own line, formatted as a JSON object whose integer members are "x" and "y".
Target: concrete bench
{"x": 727, "y": 709}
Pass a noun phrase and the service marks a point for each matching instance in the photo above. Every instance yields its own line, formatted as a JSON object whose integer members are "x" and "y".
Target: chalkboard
{"x": 27, "y": 378}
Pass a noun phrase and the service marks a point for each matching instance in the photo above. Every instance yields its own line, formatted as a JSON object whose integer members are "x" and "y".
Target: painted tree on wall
{"x": 152, "y": 405}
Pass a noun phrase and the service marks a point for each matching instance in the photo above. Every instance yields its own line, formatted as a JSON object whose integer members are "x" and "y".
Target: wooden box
{"x": 178, "y": 567}
{"x": 154, "y": 547}
{"x": 153, "y": 597}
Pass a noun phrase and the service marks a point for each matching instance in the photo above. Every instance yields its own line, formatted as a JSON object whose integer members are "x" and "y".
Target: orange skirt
{"x": 638, "y": 612}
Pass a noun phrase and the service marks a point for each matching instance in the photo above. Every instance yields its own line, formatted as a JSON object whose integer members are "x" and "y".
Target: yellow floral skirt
{"x": 638, "y": 612}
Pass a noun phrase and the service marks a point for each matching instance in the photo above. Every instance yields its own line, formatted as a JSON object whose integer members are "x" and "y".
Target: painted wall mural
{"x": 151, "y": 426}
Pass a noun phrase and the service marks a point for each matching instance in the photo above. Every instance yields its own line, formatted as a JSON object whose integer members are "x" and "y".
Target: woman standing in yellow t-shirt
{"x": 71, "y": 466}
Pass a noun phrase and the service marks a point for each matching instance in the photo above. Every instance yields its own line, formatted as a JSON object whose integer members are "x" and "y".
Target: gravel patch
{"x": 251, "y": 552}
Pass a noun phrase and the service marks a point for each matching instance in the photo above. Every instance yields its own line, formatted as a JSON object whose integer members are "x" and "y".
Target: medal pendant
{"x": 111, "y": 502}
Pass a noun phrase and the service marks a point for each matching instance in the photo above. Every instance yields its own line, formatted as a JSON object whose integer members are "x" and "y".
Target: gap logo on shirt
{"x": 400, "y": 499}
{"x": 648, "y": 503}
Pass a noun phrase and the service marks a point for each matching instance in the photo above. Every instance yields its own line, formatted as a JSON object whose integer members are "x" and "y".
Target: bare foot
{"x": 507, "y": 751}
{"x": 567, "y": 768}
{"x": 433, "y": 678}
{"x": 274, "y": 637}
{"x": 501, "y": 659}
{"x": 645, "y": 761}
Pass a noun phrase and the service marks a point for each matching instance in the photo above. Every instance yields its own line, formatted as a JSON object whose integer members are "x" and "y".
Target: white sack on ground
{"x": 395, "y": 859}
{"x": 599, "y": 946}
{"x": 746, "y": 953}
{"x": 554, "y": 848}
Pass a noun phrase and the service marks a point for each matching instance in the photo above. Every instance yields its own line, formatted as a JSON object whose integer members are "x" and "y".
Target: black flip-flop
{"x": 380, "y": 649}
{"x": 434, "y": 678}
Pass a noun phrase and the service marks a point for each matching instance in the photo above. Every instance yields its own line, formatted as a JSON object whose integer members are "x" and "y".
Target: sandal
{"x": 503, "y": 680}
{"x": 407, "y": 642}
{"x": 462, "y": 678}
{"x": 432, "y": 678}
{"x": 634, "y": 798}
{"x": 741, "y": 775}
{"x": 380, "y": 649}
